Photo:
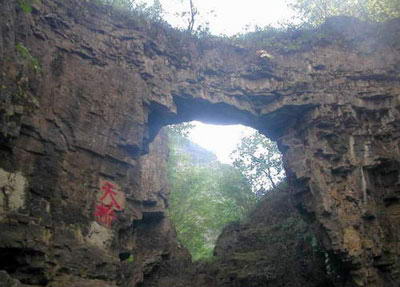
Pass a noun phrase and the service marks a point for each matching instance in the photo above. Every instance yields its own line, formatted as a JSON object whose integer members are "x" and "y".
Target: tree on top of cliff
{"x": 315, "y": 12}
{"x": 153, "y": 12}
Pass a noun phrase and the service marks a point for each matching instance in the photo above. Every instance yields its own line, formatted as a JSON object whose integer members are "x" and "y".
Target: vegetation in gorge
{"x": 205, "y": 194}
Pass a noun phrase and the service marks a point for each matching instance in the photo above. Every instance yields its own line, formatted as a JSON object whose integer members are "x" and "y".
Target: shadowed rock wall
{"x": 81, "y": 201}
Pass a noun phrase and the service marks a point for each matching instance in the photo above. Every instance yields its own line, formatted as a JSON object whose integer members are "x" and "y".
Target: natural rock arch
{"x": 109, "y": 83}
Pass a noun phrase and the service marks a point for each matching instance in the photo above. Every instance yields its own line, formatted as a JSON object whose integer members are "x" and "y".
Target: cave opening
{"x": 217, "y": 174}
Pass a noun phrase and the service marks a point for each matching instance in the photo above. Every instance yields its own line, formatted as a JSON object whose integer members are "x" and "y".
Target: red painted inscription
{"x": 109, "y": 200}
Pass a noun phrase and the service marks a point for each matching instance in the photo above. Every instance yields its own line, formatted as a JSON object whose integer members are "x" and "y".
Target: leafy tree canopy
{"x": 260, "y": 161}
{"x": 316, "y": 12}
{"x": 179, "y": 131}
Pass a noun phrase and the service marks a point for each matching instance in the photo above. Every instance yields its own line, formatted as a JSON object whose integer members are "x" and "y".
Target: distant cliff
{"x": 196, "y": 154}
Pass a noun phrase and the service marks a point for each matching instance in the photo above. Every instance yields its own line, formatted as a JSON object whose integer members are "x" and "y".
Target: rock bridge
{"x": 79, "y": 127}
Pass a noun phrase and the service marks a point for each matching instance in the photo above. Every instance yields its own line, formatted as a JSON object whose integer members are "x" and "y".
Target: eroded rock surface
{"x": 106, "y": 85}
{"x": 274, "y": 247}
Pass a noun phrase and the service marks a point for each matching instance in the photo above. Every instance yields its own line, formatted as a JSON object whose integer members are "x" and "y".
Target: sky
{"x": 221, "y": 140}
{"x": 229, "y": 17}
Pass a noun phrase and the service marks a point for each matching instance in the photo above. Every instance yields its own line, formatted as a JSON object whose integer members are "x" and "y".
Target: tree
{"x": 234, "y": 185}
{"x": 197, "y": 23}
{"x": 152, "y": 12}
{"x": 317, "y": 11}
{"x": 193, "y": 12}
{"x": 260, "y": 162}
{"x": 120, "y": 4}
{"x": 180, "y": 130}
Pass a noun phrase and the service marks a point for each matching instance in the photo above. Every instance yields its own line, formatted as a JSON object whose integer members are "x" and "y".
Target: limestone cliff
{"x": 81, "y": 202}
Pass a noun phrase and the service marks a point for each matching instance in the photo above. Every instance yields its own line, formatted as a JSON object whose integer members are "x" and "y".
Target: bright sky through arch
{"x": 230, "y": 16}
{"x": 221, "y": 140}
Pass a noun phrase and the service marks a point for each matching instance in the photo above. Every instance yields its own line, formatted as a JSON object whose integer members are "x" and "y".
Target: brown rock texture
{"x": 274, "y": 247}
{"x": 108, "y": 82}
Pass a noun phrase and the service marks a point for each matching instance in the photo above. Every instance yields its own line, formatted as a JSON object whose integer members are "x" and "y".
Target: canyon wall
{"x": 85, "y": 89}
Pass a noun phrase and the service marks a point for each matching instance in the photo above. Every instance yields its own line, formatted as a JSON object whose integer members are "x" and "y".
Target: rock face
{"x": 85, "y": 89}
{"x": 275, "y": 247}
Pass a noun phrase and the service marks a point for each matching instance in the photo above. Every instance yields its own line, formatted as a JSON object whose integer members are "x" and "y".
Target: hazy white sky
{"x": 229, "y": 16}
{"x": 221, "y": 140}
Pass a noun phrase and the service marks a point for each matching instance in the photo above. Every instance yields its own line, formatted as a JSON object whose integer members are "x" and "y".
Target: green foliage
{"x": 316, "y": 12}
{"x": 120, "y": 4}
{"x": 197, "y": 23}
{"x": 260, "y": 161}
{"x": 302, "y": 34}
{"x": 26, "y": 5}
{"x": 27, "y": 58}
{"x": 134, "y": 8}
{"x": 24, "y": 100}
{"x": 130, "y": 259}
{"x": 205, "y": 196}
{"x": 285, "y": 39}
{"x": 181, "y": 130}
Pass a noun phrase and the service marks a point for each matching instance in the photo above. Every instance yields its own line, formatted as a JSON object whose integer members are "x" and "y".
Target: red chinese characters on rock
{"x": 109, "y": 200}
{"x": 104, "y": 214}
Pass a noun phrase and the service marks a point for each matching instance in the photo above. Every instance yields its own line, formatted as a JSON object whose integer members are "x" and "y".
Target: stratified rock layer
{"x": 78, "y": 127}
